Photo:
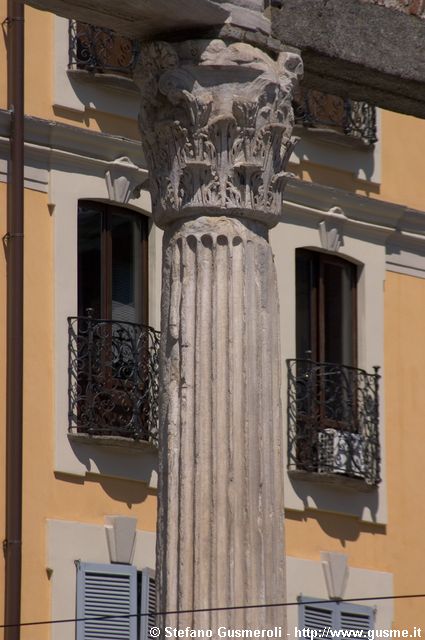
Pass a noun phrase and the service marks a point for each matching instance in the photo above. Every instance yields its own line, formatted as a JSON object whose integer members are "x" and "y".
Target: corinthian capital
{"x": 216, "y": 121}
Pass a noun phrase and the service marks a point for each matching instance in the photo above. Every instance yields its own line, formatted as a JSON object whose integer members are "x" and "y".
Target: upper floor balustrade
{"x": 332, "y": 114}
{"x": 101, "y": 50}
{"x": 333, "y": 420}
{"x": 113, "y": 379}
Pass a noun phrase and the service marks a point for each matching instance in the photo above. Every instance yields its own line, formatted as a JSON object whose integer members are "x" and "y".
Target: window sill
{"x": 321, "y": 134}
{"x": 106, "y": 80}
{"x": 332, "y": 479}
{"x": 114, "y": 442}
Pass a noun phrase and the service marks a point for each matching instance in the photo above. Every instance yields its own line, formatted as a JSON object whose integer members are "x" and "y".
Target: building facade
{"x": 350, "y": 257}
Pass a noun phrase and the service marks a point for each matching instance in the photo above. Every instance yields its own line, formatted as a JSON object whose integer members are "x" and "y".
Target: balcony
{"x": 333, "y": 422}
{"x": 101, "y": 50}
{"x": 113, "y": 379}
{"x": 335, "y": 119}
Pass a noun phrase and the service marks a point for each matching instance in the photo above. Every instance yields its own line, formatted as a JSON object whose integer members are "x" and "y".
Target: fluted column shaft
{"x": 217, "y": 122}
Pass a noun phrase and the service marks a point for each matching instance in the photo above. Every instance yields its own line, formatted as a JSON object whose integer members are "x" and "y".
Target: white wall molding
{"x": 71, "y": 541}
{"x": 50, "y": 142}
{"x": 400, "y": 228}
{"x": 74, "y": 177}
{"x": 306, "y": 578}
{"x": 123, "y": 178}
{"x": 339, "y": 152}
{"x": 69, "y": 163}
{"x": 336, "y": 572}
{"x": 50, "y": 135}
{"x": 332, "y": 231}
{"x": 79, "y": 91}
{"x": 121, "y": 538}
{"x": 364, "y": 244}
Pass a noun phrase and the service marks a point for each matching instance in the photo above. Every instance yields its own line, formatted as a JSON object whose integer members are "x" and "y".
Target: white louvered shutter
{"x": 356, "y": 618}
{"x": 323, "y": 616}
{"x": 106, "y": 590}
{"x": 319, "y": 617}
{"x": 147, "y": 604}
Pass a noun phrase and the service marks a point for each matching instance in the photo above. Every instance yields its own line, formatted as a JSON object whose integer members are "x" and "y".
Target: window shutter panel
{"x": 319, "y": 617}
{"x": 106, "y": 590}
{"x": 147, "y": 604}
{"x": 356, "y": 618}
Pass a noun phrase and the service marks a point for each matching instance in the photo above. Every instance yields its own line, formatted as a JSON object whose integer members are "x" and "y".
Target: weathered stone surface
{"x": 411, "y": 7}
{"x": 139, "y": 18}
{"x": 216, "y": 122}
{"x": 221, "y": 515}
{"x": 146, "y": 19}
{"x": 358, "y": 50}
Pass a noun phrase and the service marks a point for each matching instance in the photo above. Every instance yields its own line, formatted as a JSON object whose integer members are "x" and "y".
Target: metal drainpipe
{"x": 14, "y": 371}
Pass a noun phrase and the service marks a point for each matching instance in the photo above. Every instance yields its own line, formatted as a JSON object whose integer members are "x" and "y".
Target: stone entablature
{"x": 149, "y": 19}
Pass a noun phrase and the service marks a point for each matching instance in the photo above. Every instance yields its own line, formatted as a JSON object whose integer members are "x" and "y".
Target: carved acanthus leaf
{"x": 216, "y": 121}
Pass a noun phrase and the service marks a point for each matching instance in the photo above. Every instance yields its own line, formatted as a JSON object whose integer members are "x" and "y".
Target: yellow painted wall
{"x": 98, "y": 121}
{"x": 46, "y": 495}
{"x": 38, "y": 62}
{"x": 397, "y": 547}
{"x": 403, "y": 143}
{"x": 402, "y": 140}
{"x": 39, "y": 66}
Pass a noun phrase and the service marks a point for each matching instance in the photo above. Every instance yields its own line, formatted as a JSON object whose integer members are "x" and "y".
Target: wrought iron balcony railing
{"x": 316, "y": 110}
{"x": 101, "y": 50}
{"x": 333, "y": 420}
{"x": 113, "y": 379}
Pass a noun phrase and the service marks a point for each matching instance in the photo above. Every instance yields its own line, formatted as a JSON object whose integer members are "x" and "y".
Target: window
{"x": 324, "y": 617}
{"x": 114, "y": 590}
{"x": 326, "y": 308}
{"x": 332, "y": 405}
{"x": 112, "y": 263}
{"x": 113, "y": 354}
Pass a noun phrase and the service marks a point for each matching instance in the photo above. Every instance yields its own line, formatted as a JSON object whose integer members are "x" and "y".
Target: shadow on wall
{"x": 338, "y": 526}
{"x": 100, "y": 121}
{"x": 344, "y": 500}
{"x": 125, "y": 491}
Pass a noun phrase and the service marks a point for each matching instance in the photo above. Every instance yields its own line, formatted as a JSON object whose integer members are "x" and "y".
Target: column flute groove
{"x": 217, "y": 120}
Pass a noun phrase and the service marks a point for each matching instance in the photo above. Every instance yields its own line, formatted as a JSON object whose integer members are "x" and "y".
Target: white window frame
{"x": 74, "y": 178}
{"x": 68, "y": 542}
{"x": 305, "y": 208}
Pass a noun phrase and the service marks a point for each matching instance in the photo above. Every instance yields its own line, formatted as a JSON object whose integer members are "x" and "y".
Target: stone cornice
{"x": 368, "y": 215}
{"x": 401, "y": 224}
{"x": 57, "y": 136}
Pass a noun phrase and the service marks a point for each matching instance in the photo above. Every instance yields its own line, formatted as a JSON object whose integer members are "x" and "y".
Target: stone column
{"x": 216, "y": 121}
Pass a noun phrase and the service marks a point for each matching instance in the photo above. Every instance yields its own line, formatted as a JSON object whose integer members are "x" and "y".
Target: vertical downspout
{"x": 14, "y": 371}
